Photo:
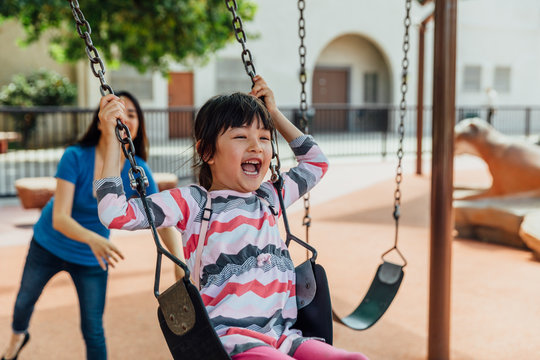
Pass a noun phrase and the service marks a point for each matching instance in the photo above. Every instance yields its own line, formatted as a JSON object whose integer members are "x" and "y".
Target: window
{"x": 231, "y": 76}
{"x": 128, "y": 78}
{"x": 371, "y": 87}
{"x": 501, "y": 81}
{"x": 472, "y": 78}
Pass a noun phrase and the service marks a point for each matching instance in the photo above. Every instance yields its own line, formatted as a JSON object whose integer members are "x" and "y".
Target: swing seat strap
{"x": 207, "y": 211}
{"x": 380, "y": 295}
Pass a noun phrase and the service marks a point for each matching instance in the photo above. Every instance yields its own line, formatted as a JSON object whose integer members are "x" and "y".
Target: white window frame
{"x": 502, "y": 79}
{"x": 129, "y": 79}
{"x": 231, "y": 76}
{"x": 472, "y": 78}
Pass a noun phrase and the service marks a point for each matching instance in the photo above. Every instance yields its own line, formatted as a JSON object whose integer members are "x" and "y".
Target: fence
{"x": 340, "y": 130}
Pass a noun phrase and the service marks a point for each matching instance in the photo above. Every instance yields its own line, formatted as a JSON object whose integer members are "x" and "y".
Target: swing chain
{"x": 98, "y": 69}
{"x": 402, "y": 115}
{"x": 96, "y": 64}
{"x": 241, "y": 37}
{"x": 304, "y": 124}
{"x": 303, "y": 75}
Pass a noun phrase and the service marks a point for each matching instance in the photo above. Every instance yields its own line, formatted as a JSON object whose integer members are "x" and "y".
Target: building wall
{"x": 15, "y": 59}
{"x": 358, "y": 54}
{"x": 491, "y": 33}
{"x": 495, "y": 33}
{"x": 276, "y": 48}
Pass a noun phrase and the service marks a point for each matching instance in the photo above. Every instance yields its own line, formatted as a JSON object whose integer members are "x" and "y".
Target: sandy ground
{"x": 495, "y": 289}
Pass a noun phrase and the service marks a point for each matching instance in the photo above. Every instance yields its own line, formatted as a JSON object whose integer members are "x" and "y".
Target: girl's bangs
{"x": 243, "y": 109}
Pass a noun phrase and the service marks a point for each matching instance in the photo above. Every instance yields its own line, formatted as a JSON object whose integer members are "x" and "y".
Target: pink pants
{"x": 308, "y": 350}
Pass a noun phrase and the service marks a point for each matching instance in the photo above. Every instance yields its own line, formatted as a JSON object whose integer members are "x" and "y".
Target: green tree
{"x": 143, "y": 33}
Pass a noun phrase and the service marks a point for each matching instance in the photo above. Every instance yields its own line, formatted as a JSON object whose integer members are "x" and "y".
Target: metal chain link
{"x": 241, "y": 37}
{"x": 247, "y": 59}
{"x": 304, "y": 124}
{"x": 402, "y": 115}
{"x": 96, "y": 64}
{"x": 98, "y": 69}
{"x": 303, "y": 76}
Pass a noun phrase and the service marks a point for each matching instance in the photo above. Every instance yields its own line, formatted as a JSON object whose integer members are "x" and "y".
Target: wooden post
{"x": 420, "y": 94}
{"x": 442, "y": 221}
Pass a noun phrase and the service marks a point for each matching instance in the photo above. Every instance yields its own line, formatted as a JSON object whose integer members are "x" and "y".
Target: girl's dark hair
{"x": 216, "y": 116}
{"x": 92, "y": 134}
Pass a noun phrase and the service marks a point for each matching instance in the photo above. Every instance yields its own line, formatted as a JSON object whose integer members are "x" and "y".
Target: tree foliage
{"x": 145, "y": 34}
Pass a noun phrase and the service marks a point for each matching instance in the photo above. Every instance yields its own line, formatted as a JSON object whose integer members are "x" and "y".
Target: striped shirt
{"x": 247, "y": 276}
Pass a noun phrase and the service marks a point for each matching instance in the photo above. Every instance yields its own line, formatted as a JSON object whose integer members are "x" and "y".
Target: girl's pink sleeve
{"x": 312, "y": 166}
{"x": 169, "y": 208}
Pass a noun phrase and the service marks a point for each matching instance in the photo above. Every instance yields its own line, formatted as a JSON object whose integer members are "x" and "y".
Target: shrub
{"x": 40, "y": 88}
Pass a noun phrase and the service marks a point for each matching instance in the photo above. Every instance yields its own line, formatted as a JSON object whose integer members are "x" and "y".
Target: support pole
{"x": 442, "y": 221}
{"x": 420, "y": 93}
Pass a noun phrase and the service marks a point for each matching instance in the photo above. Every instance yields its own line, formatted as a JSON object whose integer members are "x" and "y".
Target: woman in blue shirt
{"x": 69, "y": 236}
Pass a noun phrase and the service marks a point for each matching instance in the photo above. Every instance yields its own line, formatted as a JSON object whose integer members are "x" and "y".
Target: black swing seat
{"x": 380, "y": 295}
{"x": 190, "y": 335}
{"x": 314, "y": 305}
{"x": 185, "y": 324}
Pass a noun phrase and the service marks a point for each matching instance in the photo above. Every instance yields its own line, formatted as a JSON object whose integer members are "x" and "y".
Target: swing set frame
{"x": 179, "y": 299}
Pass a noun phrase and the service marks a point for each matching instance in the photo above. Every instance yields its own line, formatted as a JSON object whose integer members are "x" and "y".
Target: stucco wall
{"x": 491, "y": 33}
{"x": 15, "y": 59}
{"x": 276, "y": 48}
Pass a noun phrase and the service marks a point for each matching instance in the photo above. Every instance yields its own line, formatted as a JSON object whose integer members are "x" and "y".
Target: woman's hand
{"x": 105, "y": 251}
{"x": 261, "y": 90}
{"x": 111, "y": 107}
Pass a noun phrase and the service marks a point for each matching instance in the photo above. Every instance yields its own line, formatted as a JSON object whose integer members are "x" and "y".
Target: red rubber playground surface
{"x": 495, "y": 289}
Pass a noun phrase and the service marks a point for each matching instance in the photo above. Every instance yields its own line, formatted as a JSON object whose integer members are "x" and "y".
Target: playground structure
{"x": 514, "y": 165}
{"x": 442, "y": 184}
{"x": 504, "y": 213}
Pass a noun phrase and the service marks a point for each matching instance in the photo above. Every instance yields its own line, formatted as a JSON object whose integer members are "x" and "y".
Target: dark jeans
{"x": 91, "y": 285}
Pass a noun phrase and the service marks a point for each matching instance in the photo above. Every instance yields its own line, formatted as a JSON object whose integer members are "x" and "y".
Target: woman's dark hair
{"x": 92, "y": 135}
{"x": 216, "y": 116}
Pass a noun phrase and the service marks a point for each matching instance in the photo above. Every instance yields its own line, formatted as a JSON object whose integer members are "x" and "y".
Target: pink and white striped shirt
{"x": 247, "y": 276}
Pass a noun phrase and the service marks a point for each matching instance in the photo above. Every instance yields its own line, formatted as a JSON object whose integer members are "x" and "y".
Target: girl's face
{"x": 133, "y": 119}
{"x": 242, "y": 158}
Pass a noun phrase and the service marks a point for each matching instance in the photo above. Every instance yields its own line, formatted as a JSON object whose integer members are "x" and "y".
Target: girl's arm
{"x": 170, "y": 208}
{"x": 111, "y": 108}
{"x": 103, "y": 250}
{"x": 312, "y": 162}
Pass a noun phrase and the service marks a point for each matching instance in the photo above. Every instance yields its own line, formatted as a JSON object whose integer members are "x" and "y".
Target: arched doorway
{"x": 351, "y": 86}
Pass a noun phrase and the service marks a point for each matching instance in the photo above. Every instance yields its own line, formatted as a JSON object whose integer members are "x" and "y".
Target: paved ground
{"x": 495, "y": 312}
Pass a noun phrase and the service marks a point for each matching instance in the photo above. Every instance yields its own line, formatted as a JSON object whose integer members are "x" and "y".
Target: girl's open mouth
{"x": 251, "y": 167}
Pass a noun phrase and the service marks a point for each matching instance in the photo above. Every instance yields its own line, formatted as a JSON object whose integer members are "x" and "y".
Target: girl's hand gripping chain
{"x": 261, "y": 90}
{"x": 111, "y": 108}
{"x": 282, "y": 124}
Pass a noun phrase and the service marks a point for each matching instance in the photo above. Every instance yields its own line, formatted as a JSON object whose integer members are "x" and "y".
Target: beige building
{"x": 354, "y": 51}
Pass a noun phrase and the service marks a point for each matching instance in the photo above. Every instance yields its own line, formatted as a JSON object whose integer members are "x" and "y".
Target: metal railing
{"x": 341, "y": 130}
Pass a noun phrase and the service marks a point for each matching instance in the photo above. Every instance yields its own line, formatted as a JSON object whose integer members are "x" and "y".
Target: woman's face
{"x": 133, "y": 120}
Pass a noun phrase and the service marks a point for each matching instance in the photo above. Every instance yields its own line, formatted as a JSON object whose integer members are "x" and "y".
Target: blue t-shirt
{"x": 77, "y": 167}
